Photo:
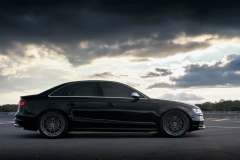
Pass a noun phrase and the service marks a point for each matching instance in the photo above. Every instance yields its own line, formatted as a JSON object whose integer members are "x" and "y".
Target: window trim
{"x": 97, "y": 97}
{"x": 100, "y": 90}
{"x": 122, "y": 97}
{"x": 80, "y": 96}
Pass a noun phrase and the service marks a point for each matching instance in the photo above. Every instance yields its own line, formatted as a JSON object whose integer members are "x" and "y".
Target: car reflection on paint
{"x": 104, "y": 106}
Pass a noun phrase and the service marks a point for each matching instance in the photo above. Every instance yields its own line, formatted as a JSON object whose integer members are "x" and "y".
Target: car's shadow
{"x": 113, "y": 135}
{"x": 73, "y": 135}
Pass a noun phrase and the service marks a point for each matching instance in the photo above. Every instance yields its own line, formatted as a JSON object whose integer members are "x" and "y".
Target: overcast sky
{"x": 179, "y": 50}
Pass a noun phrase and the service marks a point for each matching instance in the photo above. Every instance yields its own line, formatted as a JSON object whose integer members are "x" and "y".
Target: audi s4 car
{"x": 104, "y": 106}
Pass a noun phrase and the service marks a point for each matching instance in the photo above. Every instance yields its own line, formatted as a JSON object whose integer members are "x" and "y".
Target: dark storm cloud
{"x": 164, "y": 72}
{"x": 150, "y": 75}
{"x": 219, "y": 74}
{"x": 160, "y": 72}
{"x": 151, "y": 26}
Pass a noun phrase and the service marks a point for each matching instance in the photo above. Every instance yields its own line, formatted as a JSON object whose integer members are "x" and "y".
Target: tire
{"x": 174, "y": 123}
{"x": 53, "y": 124}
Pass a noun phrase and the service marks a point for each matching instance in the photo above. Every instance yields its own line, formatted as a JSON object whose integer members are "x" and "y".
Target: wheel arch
{"x": 178, "y": 109}
{"x": 62, "y": 130}
{"x": 54, "y": 109}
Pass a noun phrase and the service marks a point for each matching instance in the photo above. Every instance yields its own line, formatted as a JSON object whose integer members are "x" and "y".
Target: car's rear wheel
{"x": 53, "y": 124}
{"x": 174, "y": 123}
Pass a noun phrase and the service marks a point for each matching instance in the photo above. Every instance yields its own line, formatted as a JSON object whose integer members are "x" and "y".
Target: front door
{"x": 123, "y": 111}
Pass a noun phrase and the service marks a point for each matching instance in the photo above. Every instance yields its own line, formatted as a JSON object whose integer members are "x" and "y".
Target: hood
{"x": 168, "y": 102}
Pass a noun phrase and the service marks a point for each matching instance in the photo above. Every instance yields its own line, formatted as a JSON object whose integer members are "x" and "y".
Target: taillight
{"x": 22, "y": 103}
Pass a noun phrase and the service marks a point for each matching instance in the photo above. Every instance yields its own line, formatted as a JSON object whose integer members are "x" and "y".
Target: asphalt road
{"x": 220, "y": 140}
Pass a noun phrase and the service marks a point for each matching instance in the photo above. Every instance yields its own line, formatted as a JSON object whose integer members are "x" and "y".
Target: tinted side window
{"x": 82, "y": 89}
{"x": 58, "y": 92}
{"x": 116, "y": 90}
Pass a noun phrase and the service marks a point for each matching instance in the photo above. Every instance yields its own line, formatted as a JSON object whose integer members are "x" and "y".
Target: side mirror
{"x": 135, "y": 95}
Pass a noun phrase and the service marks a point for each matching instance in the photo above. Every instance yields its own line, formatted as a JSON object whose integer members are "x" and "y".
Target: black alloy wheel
{"x": 53, "y": 124}
{"x": 174, "y": 123}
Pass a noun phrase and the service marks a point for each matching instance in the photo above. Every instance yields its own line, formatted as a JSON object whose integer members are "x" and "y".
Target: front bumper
{"x": 197, "y": 122}
{"x": 200, "y": 128}
{"x": 197, "y": 125}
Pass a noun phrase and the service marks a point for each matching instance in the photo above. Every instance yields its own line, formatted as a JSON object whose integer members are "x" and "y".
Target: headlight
{"x": 197, "y": 111}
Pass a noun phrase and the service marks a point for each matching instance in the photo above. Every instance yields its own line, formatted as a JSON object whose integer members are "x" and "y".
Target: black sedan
{"x": 104, "y": 106}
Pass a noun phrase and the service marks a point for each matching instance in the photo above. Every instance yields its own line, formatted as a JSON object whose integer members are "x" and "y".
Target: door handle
{"x": 72, "y": 104}
{"x": 110, "y": 104}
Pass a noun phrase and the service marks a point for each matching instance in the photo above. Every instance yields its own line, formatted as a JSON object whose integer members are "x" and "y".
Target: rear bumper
{"x": 26, "y": 122}
{"x": 16, "y": 124}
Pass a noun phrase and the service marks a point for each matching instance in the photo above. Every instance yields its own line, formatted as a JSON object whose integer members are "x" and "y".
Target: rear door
{"x": 83, "y": 101}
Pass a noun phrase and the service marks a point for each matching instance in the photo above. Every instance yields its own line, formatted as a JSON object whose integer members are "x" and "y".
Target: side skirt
{"x": 115, "y": 129}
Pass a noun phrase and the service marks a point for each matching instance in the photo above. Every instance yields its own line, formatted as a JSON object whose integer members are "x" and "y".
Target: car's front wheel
{"x": 174, "y": 123}
{"x": 53, "y": 124}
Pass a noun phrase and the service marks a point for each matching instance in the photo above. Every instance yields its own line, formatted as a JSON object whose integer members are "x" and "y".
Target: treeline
{"x": 9, "y": 108}
{"x": 222, "y": 105}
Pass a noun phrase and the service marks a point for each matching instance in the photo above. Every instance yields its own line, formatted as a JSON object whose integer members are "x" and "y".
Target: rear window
{"x": 82, "y": 89}
{"x": 59, "y": 92}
